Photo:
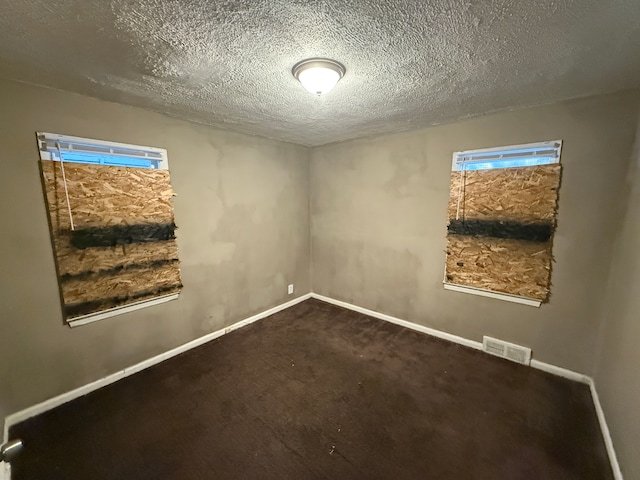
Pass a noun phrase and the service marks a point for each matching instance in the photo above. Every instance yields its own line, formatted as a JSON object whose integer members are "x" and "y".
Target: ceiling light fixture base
{"x": 318, "y": 75}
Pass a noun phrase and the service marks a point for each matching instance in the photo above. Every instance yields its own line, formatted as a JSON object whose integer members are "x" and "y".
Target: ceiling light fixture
{"x": 318, "y": 75}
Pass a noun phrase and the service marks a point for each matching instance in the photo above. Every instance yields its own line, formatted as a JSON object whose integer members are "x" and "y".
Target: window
{"x": 82, "y": 150}
{"x": 112, "y": 225}
{"x": 502, "y": 214}
{"x": 545, "y": 153}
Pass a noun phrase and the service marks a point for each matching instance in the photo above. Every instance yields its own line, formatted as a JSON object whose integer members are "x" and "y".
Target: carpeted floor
{"x": 318, "y": 392}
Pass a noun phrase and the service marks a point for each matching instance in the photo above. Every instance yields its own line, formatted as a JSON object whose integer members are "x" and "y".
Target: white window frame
{"x": 48, "y": 147}
{"x": 112, "y": 312}
{"x": 550, "y": 149}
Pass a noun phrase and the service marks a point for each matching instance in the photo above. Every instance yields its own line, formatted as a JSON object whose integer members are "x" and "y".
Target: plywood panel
{"x": 500, "y": 232}
{"x": 122, "y": 248}
{"x": 74, "y": 261}
{"x": 103, "y": 196}
{"x": 119, "y": 283}
{"x": 508, "y": 266}
{"x": 528, "y": 193}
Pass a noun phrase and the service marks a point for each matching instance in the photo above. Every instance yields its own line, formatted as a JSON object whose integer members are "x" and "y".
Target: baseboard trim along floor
{"x": 617, "y": 473}
{"x": 81, "y": 391}
{"x": 562, "y": 372}
{"x": 545, "y": 367}
{"x": 56, "y": 401}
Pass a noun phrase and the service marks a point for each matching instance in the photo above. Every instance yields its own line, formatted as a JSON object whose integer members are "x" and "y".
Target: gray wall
{"x": 617, "y": 374}
{"x": 243, "y": 234}
{"x": 379, "y": 215}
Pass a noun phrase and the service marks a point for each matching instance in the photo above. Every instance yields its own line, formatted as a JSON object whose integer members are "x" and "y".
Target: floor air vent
{"x": 510, "y": 351}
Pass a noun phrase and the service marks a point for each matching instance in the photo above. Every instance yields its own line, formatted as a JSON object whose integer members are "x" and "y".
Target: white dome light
{"x": 318, "y": 75}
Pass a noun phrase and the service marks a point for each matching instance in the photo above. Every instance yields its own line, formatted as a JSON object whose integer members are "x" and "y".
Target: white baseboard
{"x": 545, "y": 367}
{"x": 561, "y": 372}
{"x": 51, "y": 403}
{"x": 413, "y": 326}
{"x": 613, "y": 458}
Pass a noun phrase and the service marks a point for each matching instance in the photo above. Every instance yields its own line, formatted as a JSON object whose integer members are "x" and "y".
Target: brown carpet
{"x": 320, "y": 392}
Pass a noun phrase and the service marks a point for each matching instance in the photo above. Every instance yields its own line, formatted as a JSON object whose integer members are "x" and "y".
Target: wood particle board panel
{"x": 525, "y": 193}
{"x": 501, "y": 265}
{"x": 74, "y": 261}
{"x": 119, "y": 283}
{"x": 104, "y": 195}
{"x": 501, "y": 226}
{"x": 114, "y": 255}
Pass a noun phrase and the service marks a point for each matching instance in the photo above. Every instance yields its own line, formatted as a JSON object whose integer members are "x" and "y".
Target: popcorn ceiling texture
{"x": 410, "y": 63}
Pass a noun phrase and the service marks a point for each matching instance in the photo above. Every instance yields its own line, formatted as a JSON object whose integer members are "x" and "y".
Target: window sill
{"x": 487, "y": 293}
{"x": 112, "y": 312}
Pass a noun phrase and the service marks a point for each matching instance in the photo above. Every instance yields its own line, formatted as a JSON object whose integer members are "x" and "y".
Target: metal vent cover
{"x": 510, "y": 351}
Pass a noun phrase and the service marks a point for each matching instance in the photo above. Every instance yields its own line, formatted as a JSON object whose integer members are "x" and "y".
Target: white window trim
{"x": 491, "y": 294}
{"x": 112, "y": 312}
{"x": 458, "y": 157}
{"x": 46, "y": 142}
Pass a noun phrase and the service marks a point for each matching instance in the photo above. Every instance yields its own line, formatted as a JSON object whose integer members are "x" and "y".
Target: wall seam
{"x": 310, "y": 151}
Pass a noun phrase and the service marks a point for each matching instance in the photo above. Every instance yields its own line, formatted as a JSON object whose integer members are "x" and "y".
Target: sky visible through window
{"x": 510, "y": 157}
{"x": 507, "y": 163}
{"x": 110, "y": 160}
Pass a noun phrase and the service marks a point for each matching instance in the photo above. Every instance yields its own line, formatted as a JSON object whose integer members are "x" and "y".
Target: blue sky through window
{"x": 529, "y": 155}
{"x": 507, "y": 163}
{"x": 109, "y": 160}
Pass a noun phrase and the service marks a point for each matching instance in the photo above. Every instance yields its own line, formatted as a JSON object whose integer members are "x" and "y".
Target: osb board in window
{"x": 104, "y": 195}
{"x": 508, "y": 266}
{"x": 76, "y": 261}
{"x": 526, "y": 193}
{"x": 501, "y": 226}
{"x": 115, "y": 203}
{"x": 98, "y": 286}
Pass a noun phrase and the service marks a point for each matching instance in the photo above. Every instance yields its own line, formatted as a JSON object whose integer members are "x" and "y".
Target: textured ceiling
{"x": 410, "y": 63}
